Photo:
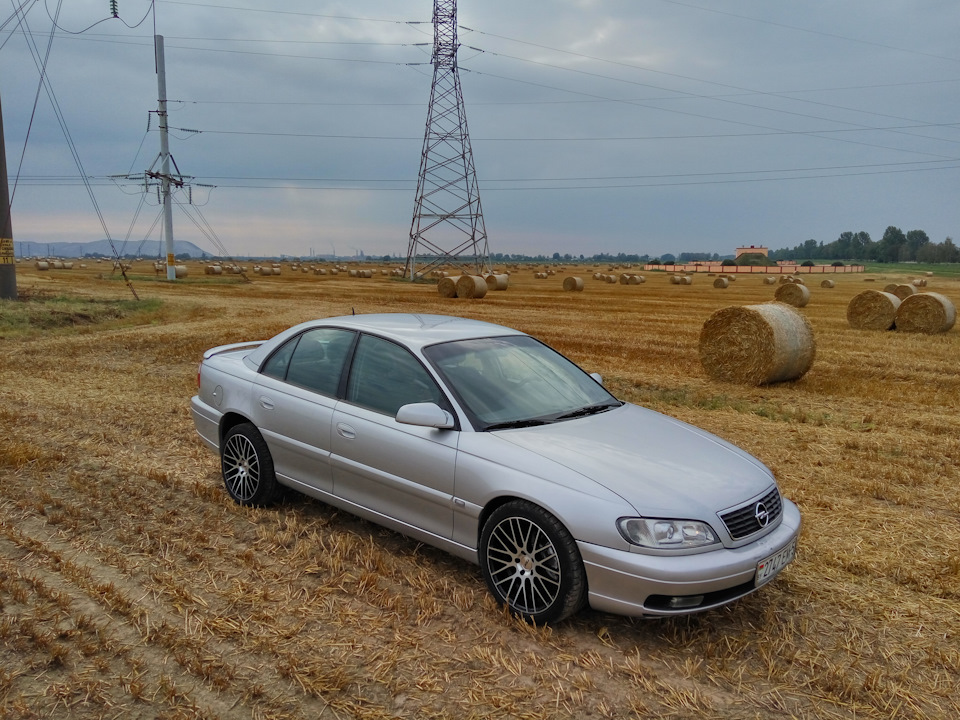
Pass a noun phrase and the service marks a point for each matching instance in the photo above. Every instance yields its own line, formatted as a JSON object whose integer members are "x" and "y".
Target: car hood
{"x": 661, "y": 466}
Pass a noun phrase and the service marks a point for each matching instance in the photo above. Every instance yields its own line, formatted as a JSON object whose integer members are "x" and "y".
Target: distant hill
{"x": 150, "y": 248}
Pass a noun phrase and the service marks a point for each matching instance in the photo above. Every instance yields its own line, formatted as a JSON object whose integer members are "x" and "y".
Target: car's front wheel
{"x": 247, "y": 466}
{"x": 531, "y": 563}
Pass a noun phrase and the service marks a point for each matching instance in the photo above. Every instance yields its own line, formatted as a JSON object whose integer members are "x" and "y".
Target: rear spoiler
{"x": 232, "y": 346}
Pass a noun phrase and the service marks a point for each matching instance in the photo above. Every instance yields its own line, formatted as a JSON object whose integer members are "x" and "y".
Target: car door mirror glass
{"x": 425, "y": 415}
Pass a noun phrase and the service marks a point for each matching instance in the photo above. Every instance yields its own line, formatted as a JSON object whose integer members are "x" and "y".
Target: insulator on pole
{"x": 113, "y": 8}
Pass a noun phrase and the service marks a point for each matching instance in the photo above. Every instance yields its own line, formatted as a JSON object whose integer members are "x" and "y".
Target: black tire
{"x": 531, "y": 563}
{"x": 247, "y": 467}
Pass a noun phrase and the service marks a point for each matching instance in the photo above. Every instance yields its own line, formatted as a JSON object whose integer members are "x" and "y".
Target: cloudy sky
{"x": 635, "y": 126}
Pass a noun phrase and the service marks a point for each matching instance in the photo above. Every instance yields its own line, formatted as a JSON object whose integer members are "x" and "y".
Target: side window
{"x": 385, "y": 376}
{"x": 276, "y": 366}
{"x": 318, "y": 359}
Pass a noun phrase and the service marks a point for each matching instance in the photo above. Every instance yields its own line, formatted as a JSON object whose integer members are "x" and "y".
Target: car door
{"x": 401, "y": 471}
{"x": 293, "y": 402}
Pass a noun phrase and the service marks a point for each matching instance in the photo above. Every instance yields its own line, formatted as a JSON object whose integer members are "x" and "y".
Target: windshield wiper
{"x": 587, "y": 410}
{"x": 529, "y": 422}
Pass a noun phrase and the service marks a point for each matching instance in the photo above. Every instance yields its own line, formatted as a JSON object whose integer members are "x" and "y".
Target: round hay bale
{"x": 624, "y": 278}
{"x": 610, "y": 279}
{"x": 276, "y": 270}
{"x": 926, "y": 313}
{"x": 686, "y": 280}
{"x": 636, "y": 280}
{"x": 266, "y": 271}
{"x": 873, "y": 310}
{"x": 721, "y": 282}
{"x": 674, "y": 279}
{"x": 447, "y": 287}
{"x": 497, "y": 282}
{"x": 730, "y": 277}
{"x": 180, "y": 271}
{"x": 890, "y": 287}
{"x": 42, "y": 265}
{"x": 798, "y": 280}
{"x": 597, "y": 276}
{"x": 904, "y": 291}
{"x": 573, "y": 284}
{"x": 828, "y": 284}
{"x": 793, "y": 294}
{"x": 770, "y": 280}
{"x": 366, "y": 273}
{"x": 920, "y": 282}
{"x": 757, "y": 344}
{"x": 471, "y": 287}
{"x": 928, "y": 273}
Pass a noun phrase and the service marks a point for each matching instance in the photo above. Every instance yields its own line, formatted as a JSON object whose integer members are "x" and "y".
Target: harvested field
{"x": 132, "y": 587}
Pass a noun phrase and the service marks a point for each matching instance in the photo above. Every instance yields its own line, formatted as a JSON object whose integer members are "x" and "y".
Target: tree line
{"x": 894, "y": 246}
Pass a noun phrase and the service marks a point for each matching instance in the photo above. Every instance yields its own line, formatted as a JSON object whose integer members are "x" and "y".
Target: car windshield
{"x": 516, "y": 381}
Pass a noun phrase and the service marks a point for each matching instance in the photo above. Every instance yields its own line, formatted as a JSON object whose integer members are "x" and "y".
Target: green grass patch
{"x": 37, "y": 314}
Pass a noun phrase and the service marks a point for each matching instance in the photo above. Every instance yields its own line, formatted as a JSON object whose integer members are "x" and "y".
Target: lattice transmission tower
{"x": 447, "y": 226}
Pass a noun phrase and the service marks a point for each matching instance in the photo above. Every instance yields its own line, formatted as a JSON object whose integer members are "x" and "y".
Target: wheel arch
{"x": 229, "y": 421}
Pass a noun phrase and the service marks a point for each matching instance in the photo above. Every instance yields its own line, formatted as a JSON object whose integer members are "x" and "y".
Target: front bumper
{"x": 633, "y": 584}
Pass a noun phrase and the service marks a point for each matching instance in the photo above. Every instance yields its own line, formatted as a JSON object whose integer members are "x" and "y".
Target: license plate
{"x": 769, "y": 567}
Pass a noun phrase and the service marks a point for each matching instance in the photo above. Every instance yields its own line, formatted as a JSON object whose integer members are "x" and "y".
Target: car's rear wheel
{"x": 247, "y": 467}
{"x": 531, "y": 563}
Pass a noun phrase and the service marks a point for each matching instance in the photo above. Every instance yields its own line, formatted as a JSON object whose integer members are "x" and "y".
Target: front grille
{"x": 743, "y": 521}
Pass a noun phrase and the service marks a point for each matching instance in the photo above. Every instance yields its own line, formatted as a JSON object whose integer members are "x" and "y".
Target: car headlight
{"x": 666, "y": 534}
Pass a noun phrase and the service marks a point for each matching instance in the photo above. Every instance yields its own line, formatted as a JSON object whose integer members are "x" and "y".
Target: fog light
{"x": 686, "y": 601}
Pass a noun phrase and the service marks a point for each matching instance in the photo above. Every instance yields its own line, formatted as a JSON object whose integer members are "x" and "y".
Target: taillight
{"x": 199, "y": 368}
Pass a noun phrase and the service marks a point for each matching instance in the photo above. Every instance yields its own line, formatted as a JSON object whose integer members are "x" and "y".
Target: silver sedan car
{"x": 481, "y": 440}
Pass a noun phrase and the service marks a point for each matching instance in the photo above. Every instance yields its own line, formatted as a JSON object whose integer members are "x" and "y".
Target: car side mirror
{"x": 426, "y": 414}
{"x": 598, "y": 377}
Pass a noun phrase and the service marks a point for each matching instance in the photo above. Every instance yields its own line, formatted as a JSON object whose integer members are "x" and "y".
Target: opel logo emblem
{"x": 761, "y": 514}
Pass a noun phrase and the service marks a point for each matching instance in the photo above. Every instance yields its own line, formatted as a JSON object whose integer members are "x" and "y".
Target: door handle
{"x": 266, "y": 403}
{"x": 345, "y": 431}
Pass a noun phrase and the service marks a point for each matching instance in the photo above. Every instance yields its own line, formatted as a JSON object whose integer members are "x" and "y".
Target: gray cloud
{"x": 638, "y": 127}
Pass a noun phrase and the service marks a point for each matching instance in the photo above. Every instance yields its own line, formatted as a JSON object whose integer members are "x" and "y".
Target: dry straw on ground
{"x": 757, "y": 344}
{"x": 873, "y": 310}
{"x": 131, "y": 587}
{"x": 793, "y": 294}
{"x": 926, "y": 313}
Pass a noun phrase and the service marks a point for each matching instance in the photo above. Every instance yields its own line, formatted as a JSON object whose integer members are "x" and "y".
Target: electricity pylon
{"x": 447, "y": 226}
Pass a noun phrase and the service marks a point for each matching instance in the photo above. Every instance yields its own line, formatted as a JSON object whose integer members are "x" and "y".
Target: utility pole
{"x": 447, "y": 226}
{"x": 164, "y": 158}
{"x": 8, "y": 269}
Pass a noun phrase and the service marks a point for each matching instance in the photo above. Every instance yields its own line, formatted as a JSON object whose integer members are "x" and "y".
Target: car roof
{"x": 414, "y": 330}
